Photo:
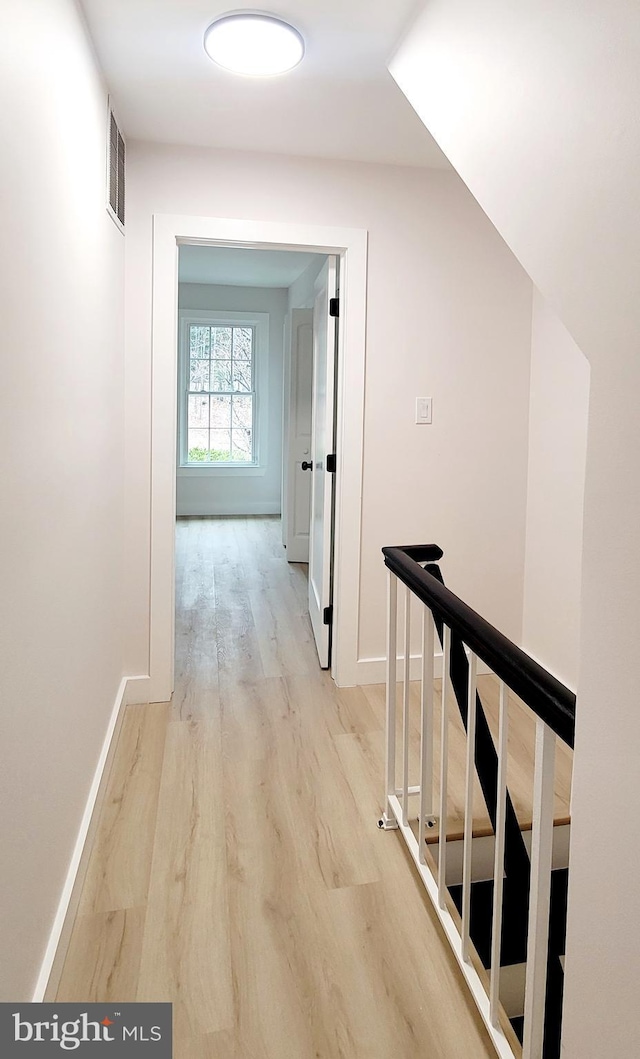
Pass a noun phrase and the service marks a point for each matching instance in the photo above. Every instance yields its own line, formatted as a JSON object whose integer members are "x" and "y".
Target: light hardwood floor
{"x": 237, "y": 869}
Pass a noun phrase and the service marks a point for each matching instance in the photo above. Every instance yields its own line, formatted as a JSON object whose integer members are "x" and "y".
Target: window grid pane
{"x": 242, "y": 343}
{"x": 198, "y": 411}
{"x": 221, "y": 342}
{"x": 220, "y": 396}
{"x": 198, "y": 445}
{"x": 221, "y": 376}
{"x": 199, "y": 374}
{"x": 241, "y": 444}
{"x": 220, "y": 412}
{"x": 242, "y": 376}
{"x": 199, "y": 342}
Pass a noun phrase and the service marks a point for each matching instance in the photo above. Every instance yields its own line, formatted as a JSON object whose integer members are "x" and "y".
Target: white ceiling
{"x": 341, "y": 102}
{"x": 231, "y": 267}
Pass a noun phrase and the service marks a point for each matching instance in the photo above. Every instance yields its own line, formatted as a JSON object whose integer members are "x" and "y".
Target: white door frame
{"x": 169, "y": 231}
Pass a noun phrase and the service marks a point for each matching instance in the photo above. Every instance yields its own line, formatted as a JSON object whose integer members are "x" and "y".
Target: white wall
{"x": 301, "y": 294}
{"x": 61, "y": 421}
{"x": 555, "y": 495}
{"x": 536, "y": 105}
{"x": 229, "y": 491}
{"x": 449, "y": 316}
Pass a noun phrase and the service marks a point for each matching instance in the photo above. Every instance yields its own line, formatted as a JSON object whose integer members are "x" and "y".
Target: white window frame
{"x": 260, "y": 324}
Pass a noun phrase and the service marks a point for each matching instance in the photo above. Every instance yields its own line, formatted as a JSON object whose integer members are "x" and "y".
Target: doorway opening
{"x": 256, "y": 366}
{"x": 348, "y": 247}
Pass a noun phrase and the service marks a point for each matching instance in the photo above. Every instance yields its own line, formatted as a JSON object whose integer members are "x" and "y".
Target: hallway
{"x": 237, "y": 868}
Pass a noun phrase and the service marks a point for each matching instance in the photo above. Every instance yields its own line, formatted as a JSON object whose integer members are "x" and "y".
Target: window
{"x": 220, "y": 395}
{"x": 219, "y": 373}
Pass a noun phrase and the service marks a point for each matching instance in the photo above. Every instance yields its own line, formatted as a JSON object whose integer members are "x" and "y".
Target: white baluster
{"x": 406, "y": 688}
{"x": 540, "y": 896}
{"x": 388, "y": 818}
{"x": 444, "y": 770}
{"x": 467, "y": 852}
{"x": 426, "y": 736}
{"x": 498, "y": 864}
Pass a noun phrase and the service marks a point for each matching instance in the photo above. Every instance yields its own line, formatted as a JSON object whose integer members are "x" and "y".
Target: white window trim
{"x": 260, "y": 321}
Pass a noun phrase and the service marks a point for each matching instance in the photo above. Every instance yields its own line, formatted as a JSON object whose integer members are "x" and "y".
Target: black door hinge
{"x": 331, "y": 462}
{"x": 334, "y": 307}
{"x": 327, "y": 615}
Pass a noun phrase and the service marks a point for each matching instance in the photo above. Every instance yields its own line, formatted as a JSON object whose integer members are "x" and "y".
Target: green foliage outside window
{"x": 208, "y": 456}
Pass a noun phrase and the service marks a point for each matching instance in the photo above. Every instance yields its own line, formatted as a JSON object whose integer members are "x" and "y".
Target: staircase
{"x": 497, "y": 870}
{"x": 513, "y": 950}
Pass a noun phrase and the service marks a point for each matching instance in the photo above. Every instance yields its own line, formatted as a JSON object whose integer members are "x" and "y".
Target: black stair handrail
{"x": 543, "y": 693}
{"x": 516, "y": 858}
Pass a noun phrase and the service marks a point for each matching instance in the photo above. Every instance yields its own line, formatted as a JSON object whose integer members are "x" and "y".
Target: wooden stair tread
{"x": 485, "y": 830}
{"x": 522, "y": 726}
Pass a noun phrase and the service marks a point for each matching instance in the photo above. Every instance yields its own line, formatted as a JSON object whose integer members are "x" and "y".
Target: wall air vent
{"x": 116, "y": 171}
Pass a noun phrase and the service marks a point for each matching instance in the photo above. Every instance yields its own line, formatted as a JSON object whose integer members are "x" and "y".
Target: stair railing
{"x": 466, "y": 638}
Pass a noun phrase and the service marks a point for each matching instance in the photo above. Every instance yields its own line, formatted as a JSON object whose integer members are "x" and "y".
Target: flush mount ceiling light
{"x": 253, "y": 45}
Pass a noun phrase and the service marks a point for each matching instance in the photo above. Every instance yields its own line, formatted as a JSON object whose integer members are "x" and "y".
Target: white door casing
{"x": 350, "y": 244}
{"x": 322, "y": 436}
{"x": 297, "y": 441}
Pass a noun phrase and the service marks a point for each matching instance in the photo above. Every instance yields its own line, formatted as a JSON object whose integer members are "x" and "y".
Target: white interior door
{"x": 322, "y": 434}
{"x": 298, "y": 397}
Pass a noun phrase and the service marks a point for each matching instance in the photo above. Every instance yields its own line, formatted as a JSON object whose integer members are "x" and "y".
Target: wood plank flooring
{"x": 237, "y": 869}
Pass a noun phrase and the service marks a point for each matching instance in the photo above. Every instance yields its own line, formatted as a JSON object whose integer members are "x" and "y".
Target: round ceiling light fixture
{"x": 253, "y": 45}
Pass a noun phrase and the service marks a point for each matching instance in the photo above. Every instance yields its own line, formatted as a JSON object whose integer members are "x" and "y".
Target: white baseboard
{"x": 128, "y": 692}
{"x": 374, "y": 670}
{"x": 138, "y": 691}
{"x": 211, "y": 508}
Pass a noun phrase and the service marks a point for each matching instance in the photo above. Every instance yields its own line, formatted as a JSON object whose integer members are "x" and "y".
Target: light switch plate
{"x": 423, "y": 409}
